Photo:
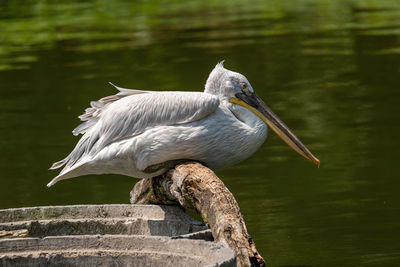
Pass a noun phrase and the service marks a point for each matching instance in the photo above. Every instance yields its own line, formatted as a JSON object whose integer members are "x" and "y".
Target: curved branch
{"x": 196, "y": 187}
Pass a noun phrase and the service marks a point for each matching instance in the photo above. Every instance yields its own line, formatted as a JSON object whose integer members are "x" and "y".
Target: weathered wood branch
{"x": 196, "y": 187}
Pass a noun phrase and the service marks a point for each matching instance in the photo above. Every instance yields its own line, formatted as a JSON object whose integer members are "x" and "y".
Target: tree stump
{"x": 196, "y": 187}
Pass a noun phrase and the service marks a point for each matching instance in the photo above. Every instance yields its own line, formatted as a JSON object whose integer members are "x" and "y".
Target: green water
{"x": 329, "y": 69}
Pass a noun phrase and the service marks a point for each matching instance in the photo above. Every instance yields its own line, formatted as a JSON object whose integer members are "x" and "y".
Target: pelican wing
{"x": 92, "y": 114}
{"x": 130, "y": 113}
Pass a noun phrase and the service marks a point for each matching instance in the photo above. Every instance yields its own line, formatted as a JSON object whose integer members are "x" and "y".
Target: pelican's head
{"x": 235, "y": 88}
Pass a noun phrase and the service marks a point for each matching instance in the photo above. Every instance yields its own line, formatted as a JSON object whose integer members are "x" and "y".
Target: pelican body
{"x": 144, "y": 133}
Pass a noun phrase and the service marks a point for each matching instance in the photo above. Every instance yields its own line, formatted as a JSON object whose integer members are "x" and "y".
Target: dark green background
{"x": 329, "y": 69}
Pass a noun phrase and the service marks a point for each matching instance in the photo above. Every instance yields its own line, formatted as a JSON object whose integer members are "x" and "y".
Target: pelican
{"x": 145, "y": 133}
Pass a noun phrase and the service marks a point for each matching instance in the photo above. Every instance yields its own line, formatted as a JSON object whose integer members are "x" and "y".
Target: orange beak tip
{"x": 317, "y": 162}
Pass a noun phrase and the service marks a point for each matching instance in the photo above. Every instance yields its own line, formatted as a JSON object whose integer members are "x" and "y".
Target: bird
{"x": 143, "y": 134}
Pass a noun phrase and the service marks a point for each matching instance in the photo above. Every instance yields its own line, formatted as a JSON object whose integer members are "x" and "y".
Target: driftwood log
{"x": 196, "y": 187}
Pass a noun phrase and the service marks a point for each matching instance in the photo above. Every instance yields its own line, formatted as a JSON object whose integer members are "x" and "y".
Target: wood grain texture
{"x": 196, "y": 187}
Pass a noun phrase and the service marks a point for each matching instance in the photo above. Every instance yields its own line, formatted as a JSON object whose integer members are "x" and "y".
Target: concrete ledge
{"x": 113, "y": 249}
{"x": 109, "y": 235}
{"x": 100, "y": 219}
{"x": 145, "y": 212}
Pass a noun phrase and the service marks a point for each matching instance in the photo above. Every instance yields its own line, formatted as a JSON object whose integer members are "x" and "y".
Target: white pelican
{"x": 144, "y": 133}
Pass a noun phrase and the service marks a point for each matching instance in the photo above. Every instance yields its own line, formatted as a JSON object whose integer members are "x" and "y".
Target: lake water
{"x": 329, "y": 69}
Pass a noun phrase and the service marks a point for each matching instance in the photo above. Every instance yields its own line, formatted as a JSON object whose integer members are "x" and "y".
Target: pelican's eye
{"x": 245, "y": 88}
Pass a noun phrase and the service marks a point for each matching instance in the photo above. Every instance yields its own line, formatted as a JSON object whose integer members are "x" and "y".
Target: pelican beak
{"x": 253, "y": 103}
